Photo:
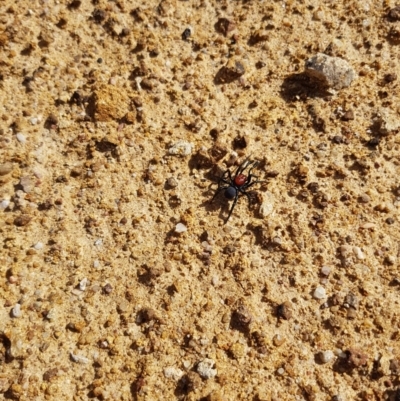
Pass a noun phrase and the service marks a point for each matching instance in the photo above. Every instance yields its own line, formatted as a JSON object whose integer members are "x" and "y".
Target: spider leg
{"x": 248, "y": 185}
{"x": 243, "y": 166}
{"x": 255, "y": 164}
{"x": 247, "y": 195}
{"x": 233, "y": 205}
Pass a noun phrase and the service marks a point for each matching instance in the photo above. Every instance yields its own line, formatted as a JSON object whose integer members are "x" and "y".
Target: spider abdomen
{"x": 230, "y": 192}
{"x": 240, "y": 180}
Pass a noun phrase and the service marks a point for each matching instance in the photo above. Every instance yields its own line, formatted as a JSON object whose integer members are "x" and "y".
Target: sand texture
{"x": 120, "y": 279}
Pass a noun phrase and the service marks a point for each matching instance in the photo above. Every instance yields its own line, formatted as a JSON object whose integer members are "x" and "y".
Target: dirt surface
{"x": 119, "y": 278}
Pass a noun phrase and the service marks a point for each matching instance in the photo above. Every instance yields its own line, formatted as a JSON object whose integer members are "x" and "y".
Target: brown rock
{"x": 233, "y": 70}
{"x": 241, "y": 318}
{"x": 356, "y": 358}
{"x": 394, "y": 14}
{"x": 224, "y": 26}
{"x": 22, "y": 220}
{"x": 6, "y": 168}
{"x": 110, "y": 103}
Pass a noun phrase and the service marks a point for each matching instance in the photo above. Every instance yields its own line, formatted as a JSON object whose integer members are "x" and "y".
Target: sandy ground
{"x": 119, "y": 278}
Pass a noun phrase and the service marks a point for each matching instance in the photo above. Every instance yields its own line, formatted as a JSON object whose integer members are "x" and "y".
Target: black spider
{"x": 238, "y": 184}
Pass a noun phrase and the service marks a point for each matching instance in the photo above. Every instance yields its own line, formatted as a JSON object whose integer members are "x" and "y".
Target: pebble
{"x": 27, "y": 184}
{"x": 387, "y": 122}
{"x": 38, "y": 246}
{"x": 267, "y": 205}
{"x": 326, "y": 356}
{"x": 180, "y": 228}
{"x": 4, "y": 204}
{"x": 334, "y": 72}
{"x": 16, "y": 311}
{"x": 83, "y": 284}
{"x": 79, "y": 359}
{"x": 319, "y": 293}
{"x": 173, "y": 373}
{"x": 205, "y": 369}
{"x": 6, "y": 168}
{"x": 326, "y": 270}
{"x": 96, "y": 264}
{"x": 358, "y": 253}
{"x": 21, "y": 138}
{"x": 280, "y": 371}
{"x": 181, "y": 148}
{"x": 22, "y": 220}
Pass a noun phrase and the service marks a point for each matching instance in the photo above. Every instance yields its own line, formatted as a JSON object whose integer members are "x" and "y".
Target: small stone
{"x": 180, "y": 228}
{"x": 364, "y": 198}
{"x": 173, "y": 373}
{"x": 79, "y": 359}
{"x": 224, "y": 26}
{"x": 233, "y": 70}
{"x": 16, "y": 311}
{"x": 356, "y": 358}
{"x": 27, "y": 184}
{"x": 325, "y": 270}
{"x": 267, "y": 205}
{"x": 319, "y": 293}
{"x": 333, "y": 72}
{"x": 394, "y": 14}
{"x": 38, "y": 246}
{"x": 107, "y": 289}
{"x": 5, "y": 168}
{"x": 22, "y": 220}
{"x": 348, "y": 115}
{"x": 4, "y": 204}
{"x": 284, "y": 311}
{"x": 358, "y": 253}
{"x": 205, "y": 369}
{"x": 172, "y": 182}
{"x": 280, "y": 371}
{"x": 386, "y": 122}
{"x": 21, "y": 138}
{"x": 326, "y": 356}
{"x": 390, "y": 220}
{"x": 278, "y": 340}
{"x": 181, "y": 148}
{"x": 241, "y": 319}
{"x": 390, "y": 259}
{"x": 83, "y": 284}
{"x": 237, "y": 351}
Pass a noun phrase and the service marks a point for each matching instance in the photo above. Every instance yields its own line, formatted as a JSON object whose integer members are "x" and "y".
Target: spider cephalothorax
{"x": 238, "y": 184}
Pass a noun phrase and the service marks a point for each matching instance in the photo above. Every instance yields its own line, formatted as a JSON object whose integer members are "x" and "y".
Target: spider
{"x": 238, "y": 184}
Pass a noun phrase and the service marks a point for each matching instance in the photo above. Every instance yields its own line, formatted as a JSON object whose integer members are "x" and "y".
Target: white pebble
{"x": 326, "y": 356}
{"x": 181, "y": 148}
{"x": 280, "y": 371}
{"x": 325, "y": 270}
{"x": 16, "y": 311}
{"x": 98, "y": 242}
{"x": 180, "y": 228}
{"x": 205, "y": 369}
{"x": 267, "y": 205}
{"x": 33, "y": 120}
{"x": 83, "y": 284}
{"x": 21, "y": 138}
{"x": 79, "y": 358}
{"x": 4, "y": 204}
{"x": 319, "y": 293}
{"x": 38, "y": 246}
{"x": 173, "y": 373}
{"x": 96, "y": 264}
{"x": 358, "y": 252}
